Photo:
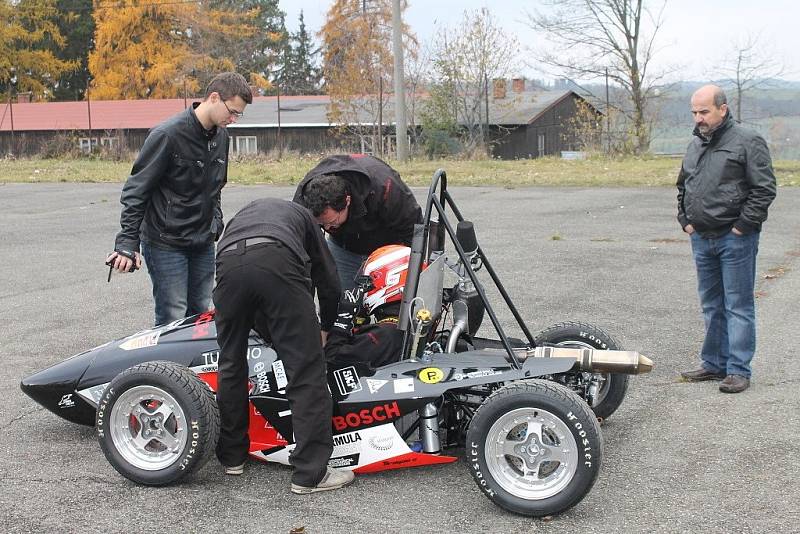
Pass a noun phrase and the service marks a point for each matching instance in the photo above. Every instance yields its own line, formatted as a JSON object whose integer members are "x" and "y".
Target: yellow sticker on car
{"x": 431, "y": 375}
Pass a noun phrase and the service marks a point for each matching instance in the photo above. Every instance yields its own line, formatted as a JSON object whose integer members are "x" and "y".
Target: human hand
{"x": 124, "y": 261}
{"x": 689, "y": 229}
{"x": 736, "y": 232}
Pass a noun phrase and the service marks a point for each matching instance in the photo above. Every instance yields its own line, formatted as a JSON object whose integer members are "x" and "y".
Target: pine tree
{"x": 255, "y": 51}
{"x": 76, "y": 24}
{"x": 302, "y": 76}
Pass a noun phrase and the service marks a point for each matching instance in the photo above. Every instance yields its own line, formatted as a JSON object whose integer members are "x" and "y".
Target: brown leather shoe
{"x": 700, "y": 375}
{"x": 734, "y": 384}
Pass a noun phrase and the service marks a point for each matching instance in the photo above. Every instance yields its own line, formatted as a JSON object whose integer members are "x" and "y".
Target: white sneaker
{"x": 333, "y": 479}
{"x": 234, "y": 470}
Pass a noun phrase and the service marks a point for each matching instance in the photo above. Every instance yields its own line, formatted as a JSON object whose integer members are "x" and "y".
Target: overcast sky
{"x": 696, "y": 34}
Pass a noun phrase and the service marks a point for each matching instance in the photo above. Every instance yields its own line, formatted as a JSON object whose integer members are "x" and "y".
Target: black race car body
{"x": 367, "y": 401}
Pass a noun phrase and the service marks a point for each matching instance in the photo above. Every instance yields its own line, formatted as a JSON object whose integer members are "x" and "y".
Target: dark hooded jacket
{"x": 726, "y": 181}
{"x": 383, "y": 209}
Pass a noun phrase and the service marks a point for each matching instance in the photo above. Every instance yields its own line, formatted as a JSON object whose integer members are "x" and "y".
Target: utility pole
{"x": 89, "y": 113}
{"x": 12, "y": 83}
{"x": 280, "y": 140}
{"x": 608, "y": 119}
{"x": 401, "y": 124}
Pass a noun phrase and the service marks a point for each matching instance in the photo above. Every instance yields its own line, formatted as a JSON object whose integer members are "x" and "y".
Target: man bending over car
{"x": 270, "y": 260}
{"x": 362, "y": 204}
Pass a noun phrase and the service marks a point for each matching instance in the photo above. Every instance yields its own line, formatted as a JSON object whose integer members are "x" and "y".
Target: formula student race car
{"x": 521, "y": 409}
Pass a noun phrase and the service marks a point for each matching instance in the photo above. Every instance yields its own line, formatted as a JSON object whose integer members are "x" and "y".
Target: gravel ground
{"x": 678, "y": 457}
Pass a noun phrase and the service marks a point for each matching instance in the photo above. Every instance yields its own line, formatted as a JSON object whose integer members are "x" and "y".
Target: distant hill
{"x": 774, "y": 111}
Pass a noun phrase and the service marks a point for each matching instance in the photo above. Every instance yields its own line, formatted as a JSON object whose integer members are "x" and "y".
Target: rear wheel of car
{"x": 612, "y": 386}
{"x": 534, "y": 448}
{"x": 157, "y": 422}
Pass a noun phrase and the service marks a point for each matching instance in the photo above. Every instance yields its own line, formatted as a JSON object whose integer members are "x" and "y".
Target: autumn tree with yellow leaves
{"x": 153, "y": 48}
{"x": 25, "y": 61}
{"x": 358, "y": 65}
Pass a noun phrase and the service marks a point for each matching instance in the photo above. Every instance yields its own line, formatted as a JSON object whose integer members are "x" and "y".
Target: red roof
{"x": 106, "y": 114}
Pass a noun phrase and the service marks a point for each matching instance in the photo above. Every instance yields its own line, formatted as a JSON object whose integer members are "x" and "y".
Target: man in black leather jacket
{"x": 171, "y": 200}
{"x": 725, "y": 188}
{"x": 363, "y": 204}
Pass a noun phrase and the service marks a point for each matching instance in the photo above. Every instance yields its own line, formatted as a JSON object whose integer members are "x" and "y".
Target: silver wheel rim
{"x": 602, "y": 378}
{"x": 531, "y": 453}
{"x": 148, "y": 428}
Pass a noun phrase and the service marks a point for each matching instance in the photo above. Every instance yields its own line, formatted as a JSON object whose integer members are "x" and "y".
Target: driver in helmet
{"x": 377, "y": 294}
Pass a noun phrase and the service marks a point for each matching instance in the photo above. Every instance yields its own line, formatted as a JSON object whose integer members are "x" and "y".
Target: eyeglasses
{"x": 233, "y": 113}
{"x": 333, "y": 223}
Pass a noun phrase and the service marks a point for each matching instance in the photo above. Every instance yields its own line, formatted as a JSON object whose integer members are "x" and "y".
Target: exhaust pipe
{"x": 627, "y": 362}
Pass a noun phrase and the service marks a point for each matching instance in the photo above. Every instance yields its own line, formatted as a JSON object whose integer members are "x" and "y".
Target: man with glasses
{"x": 171, "y": 200}
{"x": 362, "y": 204}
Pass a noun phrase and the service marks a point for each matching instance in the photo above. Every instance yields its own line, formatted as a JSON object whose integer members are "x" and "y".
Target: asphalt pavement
{"x": 678, "y": 457}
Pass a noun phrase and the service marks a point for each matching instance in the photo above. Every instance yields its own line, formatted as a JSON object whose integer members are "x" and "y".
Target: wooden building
{"x": 523, "y": 124}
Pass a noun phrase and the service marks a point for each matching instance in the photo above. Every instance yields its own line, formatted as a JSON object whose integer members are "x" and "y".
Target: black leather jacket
{"x": 725, "y": 181}
{"x": 172, "y": 196}
{"x": 383, "y": 209}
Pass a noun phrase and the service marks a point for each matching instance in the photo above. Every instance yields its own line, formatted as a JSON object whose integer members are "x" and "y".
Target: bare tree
{"x": 465, "y": 60}
{"x": 749, "y": 67}
{"x": 592, "y": 38}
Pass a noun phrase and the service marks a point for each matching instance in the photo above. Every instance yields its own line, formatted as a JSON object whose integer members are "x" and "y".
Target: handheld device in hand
{"x": 128, "y": 254}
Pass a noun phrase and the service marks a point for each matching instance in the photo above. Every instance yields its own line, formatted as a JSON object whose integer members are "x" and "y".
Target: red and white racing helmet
{"x": 388, "y": 269}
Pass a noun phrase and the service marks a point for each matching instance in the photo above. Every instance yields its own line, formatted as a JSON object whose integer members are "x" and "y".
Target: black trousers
{"x": 268, "y": 280}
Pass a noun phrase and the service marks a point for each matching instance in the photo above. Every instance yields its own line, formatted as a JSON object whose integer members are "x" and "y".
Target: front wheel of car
{"x": 157, "y": 423}
{"x": 534, "y": 448}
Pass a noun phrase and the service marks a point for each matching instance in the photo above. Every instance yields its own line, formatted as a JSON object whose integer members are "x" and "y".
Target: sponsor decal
{"x": 258, "y": 367}
{"x": 280, "y": 374}
{"x": 375, "y": 385}
{"x": 261, "y": 384}
{"x": 66, "y": 401}
{"x": 401, "y": 461}
{"x": 431, "y": 375}
{"x": 475, "y": 374}
{"x": 367, "y": 416}
{"x": 209, "y": 369}
{"x": 212, "y": 357}
{"x": 381, "y": 443}
{"x": 347, "y": 380}
{"x": 285, "y": 413}
{"x": 94, "y": 393}
{"x": 202, "y": 325}
{"x": 404, "y": 385}
{"x": 149, "y": 339}
{"x": 344, "y": 461}
{"x": 345, "y": 439}
{"x": 346, "y": 443}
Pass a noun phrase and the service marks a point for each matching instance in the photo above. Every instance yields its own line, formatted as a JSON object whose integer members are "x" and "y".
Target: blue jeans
{"x": 347, "y": 264}
{"x": 726, "y": 273}
{"x": 182, "y": 280}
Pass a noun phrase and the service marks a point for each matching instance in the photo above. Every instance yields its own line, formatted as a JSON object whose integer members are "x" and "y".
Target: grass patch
{"x": 592, "y": 172}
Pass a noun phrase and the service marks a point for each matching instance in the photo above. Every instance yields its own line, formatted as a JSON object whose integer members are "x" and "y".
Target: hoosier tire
{"x": 157, "y": 423}
{"x": 534, "y": 448}
{"x": 583, "y": 335}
